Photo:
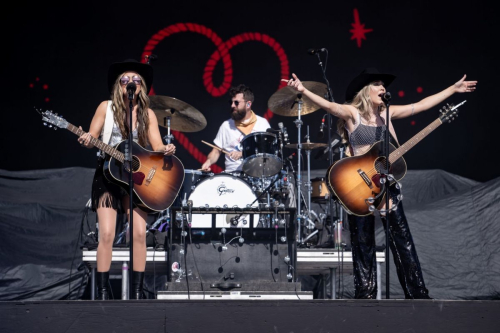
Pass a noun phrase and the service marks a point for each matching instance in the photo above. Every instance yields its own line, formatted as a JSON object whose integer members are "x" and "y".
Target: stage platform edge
{"x": 250, "y": 316}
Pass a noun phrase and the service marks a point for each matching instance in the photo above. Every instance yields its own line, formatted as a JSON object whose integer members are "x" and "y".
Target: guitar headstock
{"x": 449, "y": 112}
{"x": 49, "y": 118}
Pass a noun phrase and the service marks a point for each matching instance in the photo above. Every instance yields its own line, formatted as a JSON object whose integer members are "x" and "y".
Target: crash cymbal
{"x": 307, "y": 145}
{"x": 183, "y": 117}
{"x": 284, "y": 101}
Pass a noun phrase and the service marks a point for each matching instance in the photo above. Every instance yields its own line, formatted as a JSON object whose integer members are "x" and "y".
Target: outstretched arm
{"x": 345, "y": 112}
{"x": 403, "y": 111}
{"x": 212, "y": 158}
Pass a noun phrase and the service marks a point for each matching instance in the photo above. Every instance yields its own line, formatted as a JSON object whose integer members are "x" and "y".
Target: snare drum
{"x": 260, "y": 155}
{"x": 222, "y": 191}
{"x": 320, "y": 193}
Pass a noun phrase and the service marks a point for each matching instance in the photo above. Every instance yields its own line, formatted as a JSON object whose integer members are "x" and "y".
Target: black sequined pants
{"x": 403, "y": 251}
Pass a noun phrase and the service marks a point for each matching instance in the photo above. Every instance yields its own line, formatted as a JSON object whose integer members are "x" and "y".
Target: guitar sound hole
{"x": 136, "y": 164}
{"x": 380, "y": 164}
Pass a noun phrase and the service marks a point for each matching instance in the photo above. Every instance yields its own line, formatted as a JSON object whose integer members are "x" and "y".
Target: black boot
{"x": 137, "y": 286}
{"x": 102, "y": 285}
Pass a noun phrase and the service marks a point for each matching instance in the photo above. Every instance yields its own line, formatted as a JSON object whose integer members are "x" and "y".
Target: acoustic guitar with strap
{"x": 355, "y": 180}
{"x": 157, "y": 178}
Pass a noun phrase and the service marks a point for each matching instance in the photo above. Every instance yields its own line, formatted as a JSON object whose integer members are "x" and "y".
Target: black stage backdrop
{"x": 56, "y": 57}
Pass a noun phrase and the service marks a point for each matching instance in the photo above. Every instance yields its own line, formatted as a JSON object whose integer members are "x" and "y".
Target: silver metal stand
{"x": 298, "y": 123}
{"x": 125, "y": 280}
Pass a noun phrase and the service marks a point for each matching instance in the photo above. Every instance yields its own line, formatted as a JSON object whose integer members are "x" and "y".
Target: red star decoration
{"x": 358, "y": 31}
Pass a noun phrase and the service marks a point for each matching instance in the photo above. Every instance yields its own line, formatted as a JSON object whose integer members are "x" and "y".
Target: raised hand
{"x": 295, "y": 83}
{"x": 465, "y": 86}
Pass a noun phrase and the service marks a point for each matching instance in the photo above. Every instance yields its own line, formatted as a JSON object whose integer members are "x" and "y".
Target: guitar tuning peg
{"x": 55, "y": 128}
{"x": 50, "y": 126}
{"x": 44, "y": 123}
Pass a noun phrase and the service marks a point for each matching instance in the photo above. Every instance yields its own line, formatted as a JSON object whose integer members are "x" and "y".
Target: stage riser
{"x": 245, "y": 263}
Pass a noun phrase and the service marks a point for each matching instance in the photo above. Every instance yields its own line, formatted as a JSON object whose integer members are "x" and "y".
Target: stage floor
{"x": 251, "y": 316}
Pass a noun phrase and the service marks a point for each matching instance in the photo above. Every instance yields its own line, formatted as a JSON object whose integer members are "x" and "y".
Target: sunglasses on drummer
{"x": 235, "y": 102}
{"x": 125, "y": 80}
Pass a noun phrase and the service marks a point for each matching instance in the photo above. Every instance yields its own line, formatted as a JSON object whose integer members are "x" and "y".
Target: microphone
{"x": 386, "y": 97}
{"x": 131, "y": 87}
{"x": 271, "y": 130}
{"x": 291, "y": 156}
{"x": 321, "y": 133}
{"x": 314, "y": 51}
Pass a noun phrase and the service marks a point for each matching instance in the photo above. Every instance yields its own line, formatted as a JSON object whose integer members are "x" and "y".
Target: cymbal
{"x": 183, "y": 117}
{"x": 307, "y": 145}
{"x": 285, "y": 101}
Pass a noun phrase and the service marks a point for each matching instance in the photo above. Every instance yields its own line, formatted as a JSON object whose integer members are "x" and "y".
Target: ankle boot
{"x": 102, "y": 285}
{"x": 137, "y": 286}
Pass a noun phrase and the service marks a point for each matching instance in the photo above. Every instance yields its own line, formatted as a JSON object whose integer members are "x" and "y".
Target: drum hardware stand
{"x": 298, "y": 123}
{"x": 300, "y": 195}
{"x": 310, "y": 224}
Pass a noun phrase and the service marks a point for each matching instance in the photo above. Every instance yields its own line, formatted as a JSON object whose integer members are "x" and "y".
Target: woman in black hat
{"x": 110, "y": 125}
{"x": 362, "y": 123}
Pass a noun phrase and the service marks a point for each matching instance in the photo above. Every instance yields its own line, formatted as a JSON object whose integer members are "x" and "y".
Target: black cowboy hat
{"x": 132, "y": 65}
{"x": 367, "y": 76}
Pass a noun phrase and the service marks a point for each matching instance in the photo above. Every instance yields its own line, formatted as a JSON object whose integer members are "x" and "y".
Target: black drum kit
{"x": 268, "y": 180}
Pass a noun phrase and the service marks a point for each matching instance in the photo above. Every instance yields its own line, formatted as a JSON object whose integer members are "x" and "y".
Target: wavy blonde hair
{"x": 363, "y": 103}
{"x": 120, "y": 111}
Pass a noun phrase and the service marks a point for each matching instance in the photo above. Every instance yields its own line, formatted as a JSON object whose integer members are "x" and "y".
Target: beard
{"x": 238, "y": 114}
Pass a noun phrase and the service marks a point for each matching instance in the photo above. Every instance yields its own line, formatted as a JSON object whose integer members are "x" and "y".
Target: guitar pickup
{"x": 151, "y": 174}
{"x": 366, "y": 179}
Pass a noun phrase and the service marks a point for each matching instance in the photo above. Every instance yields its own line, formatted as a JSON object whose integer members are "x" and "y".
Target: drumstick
{"x": 220, "y": 149}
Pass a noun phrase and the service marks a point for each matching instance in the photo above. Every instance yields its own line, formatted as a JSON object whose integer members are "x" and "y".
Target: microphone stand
{"x": 383, "y": 177}
{"x": 329, "y": 96}
{"x": 128, "y": 158}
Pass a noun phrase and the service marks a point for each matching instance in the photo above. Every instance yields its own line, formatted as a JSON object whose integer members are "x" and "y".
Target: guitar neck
{"x": 404, "y": 148}
{"x": 110, "y": 150}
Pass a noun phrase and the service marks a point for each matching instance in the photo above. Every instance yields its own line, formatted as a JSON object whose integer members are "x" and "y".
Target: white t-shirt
{"x": 229, "y": 138}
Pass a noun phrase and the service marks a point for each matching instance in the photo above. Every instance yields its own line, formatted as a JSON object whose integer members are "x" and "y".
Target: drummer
{"x": 243, "y": 121}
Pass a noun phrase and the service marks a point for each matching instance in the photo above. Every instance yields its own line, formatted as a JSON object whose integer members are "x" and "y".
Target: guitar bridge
{"x": 366, "y": 179}
{"x": 151, "y": 174}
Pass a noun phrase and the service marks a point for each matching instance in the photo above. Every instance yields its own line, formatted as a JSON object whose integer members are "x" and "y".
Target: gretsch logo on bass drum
{"x": 222, "y": 189}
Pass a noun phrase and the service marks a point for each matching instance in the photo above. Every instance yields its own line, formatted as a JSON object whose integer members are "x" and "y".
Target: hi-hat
{"x": 183, "y": 117}
{"x": 285, "y": 101}
{"x": 306, "y": 145}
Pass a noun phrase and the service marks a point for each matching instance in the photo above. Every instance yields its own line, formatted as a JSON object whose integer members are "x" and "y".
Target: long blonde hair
{"x": 120, "y": 111}
{"x": 363, "y": 103}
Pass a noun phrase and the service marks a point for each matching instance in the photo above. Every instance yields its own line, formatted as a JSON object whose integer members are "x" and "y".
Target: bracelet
{"x": 412, "y": 109}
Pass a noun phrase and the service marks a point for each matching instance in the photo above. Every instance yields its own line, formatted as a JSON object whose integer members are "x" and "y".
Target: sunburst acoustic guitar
{"x": 157, "y": 178}
{"x": 355, "y": 179}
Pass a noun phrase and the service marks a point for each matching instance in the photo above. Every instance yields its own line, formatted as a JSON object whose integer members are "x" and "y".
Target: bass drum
{"x": 191, "y": 177}
{"x": 223, "y": 191}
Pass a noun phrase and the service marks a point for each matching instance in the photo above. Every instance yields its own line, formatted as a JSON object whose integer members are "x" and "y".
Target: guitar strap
{"x": 107, "y": 129}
